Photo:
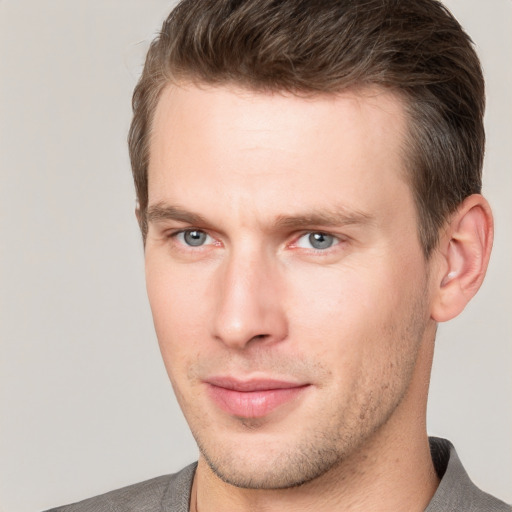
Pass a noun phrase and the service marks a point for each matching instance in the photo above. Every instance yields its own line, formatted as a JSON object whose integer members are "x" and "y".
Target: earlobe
{"x": 464, "y": 253}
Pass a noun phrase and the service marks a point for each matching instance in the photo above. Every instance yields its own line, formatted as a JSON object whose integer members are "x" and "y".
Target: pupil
{"x": 320, "y": 240}
{"x": 194, "y": 238}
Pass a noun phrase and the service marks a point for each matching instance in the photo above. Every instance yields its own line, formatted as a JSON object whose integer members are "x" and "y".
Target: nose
{"x": 249, "y": 308}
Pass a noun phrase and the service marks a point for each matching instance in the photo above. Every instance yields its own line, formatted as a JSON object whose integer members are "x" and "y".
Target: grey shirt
{"x": 171, "y": 493}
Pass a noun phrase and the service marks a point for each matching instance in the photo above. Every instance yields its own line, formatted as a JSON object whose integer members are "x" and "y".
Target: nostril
{"x": 258, "y": 337}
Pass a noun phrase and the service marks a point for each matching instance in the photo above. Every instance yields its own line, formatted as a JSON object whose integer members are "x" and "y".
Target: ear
{"x": 140, "y": 215}
{"x": 463, "y": 252}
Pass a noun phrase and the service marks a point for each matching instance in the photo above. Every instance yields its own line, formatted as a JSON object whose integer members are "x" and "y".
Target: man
{"x": 308, "y": 177}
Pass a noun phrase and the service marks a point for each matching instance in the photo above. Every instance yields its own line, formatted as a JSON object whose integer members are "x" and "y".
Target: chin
{"x": 262, "y": 467}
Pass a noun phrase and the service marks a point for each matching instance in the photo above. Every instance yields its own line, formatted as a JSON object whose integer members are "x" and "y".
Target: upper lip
{"x": 252, "y": 384}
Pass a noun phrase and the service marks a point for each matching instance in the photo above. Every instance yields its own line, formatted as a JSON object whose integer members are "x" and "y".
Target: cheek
{"x": 334, "y": 302}
{"x": 177, "y": 302}
{"x": 349, "y": 317}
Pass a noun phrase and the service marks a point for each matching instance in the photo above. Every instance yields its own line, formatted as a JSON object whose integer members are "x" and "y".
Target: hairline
{"x": 407, "y": 146}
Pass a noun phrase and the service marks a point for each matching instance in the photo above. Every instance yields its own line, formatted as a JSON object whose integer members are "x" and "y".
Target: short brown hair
{"x": 414, "y": 47}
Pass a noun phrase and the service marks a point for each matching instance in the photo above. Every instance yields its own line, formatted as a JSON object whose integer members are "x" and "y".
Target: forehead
{"x": 269, "y": 148}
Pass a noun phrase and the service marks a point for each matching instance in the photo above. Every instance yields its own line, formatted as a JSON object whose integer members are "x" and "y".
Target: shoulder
{"x": 168, "y": 492}
{"x": 456, "y": 491}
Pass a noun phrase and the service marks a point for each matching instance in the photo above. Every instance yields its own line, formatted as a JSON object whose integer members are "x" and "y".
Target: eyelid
{"x": 337, "y": 240}
{"x": 177, "y": 231}
{"x": 214, "y": 241}
{"x": 175, "y": 234}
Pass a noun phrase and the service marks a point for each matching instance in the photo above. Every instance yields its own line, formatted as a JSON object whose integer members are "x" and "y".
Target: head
{"x": 415, "y": 49}
{"x": 307, "y": 175}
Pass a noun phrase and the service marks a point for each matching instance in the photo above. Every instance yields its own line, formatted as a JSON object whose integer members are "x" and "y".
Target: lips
{"x": 252, "y": 398}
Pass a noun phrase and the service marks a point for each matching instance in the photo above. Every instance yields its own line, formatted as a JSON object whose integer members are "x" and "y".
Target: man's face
{"x": 287, "y": 283}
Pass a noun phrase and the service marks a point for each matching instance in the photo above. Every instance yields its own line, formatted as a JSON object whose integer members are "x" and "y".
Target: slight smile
{"x": 252, "y": 398}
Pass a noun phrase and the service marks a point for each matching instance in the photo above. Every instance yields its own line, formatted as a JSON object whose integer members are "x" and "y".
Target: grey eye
{"x": 194, "y": 237}
{"x": 320, "y": 240}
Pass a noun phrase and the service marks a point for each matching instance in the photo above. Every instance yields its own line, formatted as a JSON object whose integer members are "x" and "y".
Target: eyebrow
{"x": 161, "y": 212}
{"x": 337, "y": 217}
{"x": 340, "y": 216}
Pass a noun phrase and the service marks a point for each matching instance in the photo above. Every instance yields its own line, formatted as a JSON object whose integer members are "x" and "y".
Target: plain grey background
{"x": 85, "y": 404}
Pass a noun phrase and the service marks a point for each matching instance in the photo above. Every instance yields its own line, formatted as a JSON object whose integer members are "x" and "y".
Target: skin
{"x": 253, "y": 175}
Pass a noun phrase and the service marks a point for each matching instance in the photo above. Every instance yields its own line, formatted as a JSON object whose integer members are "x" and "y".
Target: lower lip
{"x": 252, "y": 404}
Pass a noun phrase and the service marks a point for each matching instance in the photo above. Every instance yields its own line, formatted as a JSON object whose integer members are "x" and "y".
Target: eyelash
{"x": 293, "y": 245}
{"x": 175, "y": 234}
{"x": 336, "y": 241}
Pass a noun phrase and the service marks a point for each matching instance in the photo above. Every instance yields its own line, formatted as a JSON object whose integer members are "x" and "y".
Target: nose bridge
{"x": 248, "y": 302}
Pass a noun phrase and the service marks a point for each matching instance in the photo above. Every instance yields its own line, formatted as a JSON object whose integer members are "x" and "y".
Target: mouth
{"x": 252, "y": 398}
